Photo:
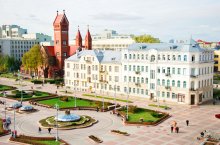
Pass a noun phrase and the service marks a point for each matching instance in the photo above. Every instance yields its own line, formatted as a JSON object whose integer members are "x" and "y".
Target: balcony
{"x": 168, "y": 87}
{"x": 88, "y": 61}
{"x": 137, "y": 72}
{"x": 193, "y": 76}
{"x": 103, "y": 81}
{"x": 138, "y": 84}
{"x": 102, "y": 71}
{"x": 168, "y": 75}
{"x": 193, "y": 89}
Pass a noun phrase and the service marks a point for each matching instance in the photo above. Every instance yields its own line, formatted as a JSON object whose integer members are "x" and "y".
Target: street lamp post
{"x": 5, "y": 103}
{"x": 127, "y": 106}
{"x": 57, "y": 108}
{"x": 75, "y": 94}
{"x": 14, "y": 123}
{"x": 115, "y": 95}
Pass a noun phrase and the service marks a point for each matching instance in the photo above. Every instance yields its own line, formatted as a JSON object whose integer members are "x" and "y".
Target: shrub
{"x": 64, "y": 98}
{"x": 37, "y": 81}
{"x": 133, "y": 109}
{"x": 157, "y": 115}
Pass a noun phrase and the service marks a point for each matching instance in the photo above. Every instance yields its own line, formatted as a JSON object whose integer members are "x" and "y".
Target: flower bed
{"x": 217, "y": 116}
{"x": 120, "y": 132}
{"x": 141, "y": 116}
{"x": 95, "y": 139}
{"x": 38, "y": 140}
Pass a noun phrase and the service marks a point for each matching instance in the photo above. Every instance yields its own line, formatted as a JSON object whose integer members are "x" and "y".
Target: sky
{"x": 164, "y": 19}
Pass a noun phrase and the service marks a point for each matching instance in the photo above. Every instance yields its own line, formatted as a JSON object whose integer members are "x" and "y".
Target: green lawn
{"x": 70, "y": 102}
{"x": 107, "y": 98}
{"x": 141, "y": 113}
{"x": 49, "y": 142}
{"x": 3, "y": 87}
{"x": 8, "y": 75}
{"x": 29, "y": 95}
{"x": 154, "y": 105}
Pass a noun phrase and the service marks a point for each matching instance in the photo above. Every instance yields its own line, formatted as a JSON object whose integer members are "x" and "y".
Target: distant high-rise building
{"x": 12, "y": 31}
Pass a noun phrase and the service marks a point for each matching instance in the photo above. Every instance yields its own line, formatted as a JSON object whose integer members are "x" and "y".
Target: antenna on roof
{"x": 57, "y": 12}
{"x": 88, "y": 27}
{"x": 63, "y": 11}
{"x": 78, "y": 27}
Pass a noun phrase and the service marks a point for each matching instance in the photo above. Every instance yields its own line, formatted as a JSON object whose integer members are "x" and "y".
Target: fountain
{"x": 67, "y": 117}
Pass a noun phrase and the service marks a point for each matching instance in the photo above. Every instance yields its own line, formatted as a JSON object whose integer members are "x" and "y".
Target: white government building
{"x": 180, "y": 73}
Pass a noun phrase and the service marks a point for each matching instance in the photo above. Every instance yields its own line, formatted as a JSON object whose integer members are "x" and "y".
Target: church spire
{"x": 88, "y": 40}
{"x": 78, "y": 38}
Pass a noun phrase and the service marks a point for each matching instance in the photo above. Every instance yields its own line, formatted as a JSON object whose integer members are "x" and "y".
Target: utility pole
{"x": 57, "y": 108}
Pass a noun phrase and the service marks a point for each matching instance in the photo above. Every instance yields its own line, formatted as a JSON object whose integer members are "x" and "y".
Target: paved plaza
{"x": 201, "y": 118}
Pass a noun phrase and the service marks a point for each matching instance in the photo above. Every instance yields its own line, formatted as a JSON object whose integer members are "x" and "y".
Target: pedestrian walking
{"x": 49, "y": 130}
{"x": 187, "y": 122}
{"x": 177, "y": 129}
{"x": 171, "y": 129}
{"x": 39, "y": 130}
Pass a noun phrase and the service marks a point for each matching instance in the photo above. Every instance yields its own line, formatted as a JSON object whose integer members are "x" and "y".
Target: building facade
{"x": 12, "y": 31}
{"x": 16, "y": 47}
{"x": 111, "y": 40}
{"x": 180, "y": 73}
{"x": 217, "y": 60}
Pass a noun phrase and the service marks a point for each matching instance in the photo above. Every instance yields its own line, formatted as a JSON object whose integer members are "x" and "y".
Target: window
{"x": 129, "y": 67}
{"x": 125, "y": 89}
{"x": 68, "y": 65}
{"x": 133, "y": 90}
{"x": 178, "y": 71}
{"x": 158, "y": 81}
{"x": 110, "y": 68}
{"x": 142, "y": 68}
{"x": 158, "y": 70}
{"x": 185, "y": 58}
{"x": 138, "y": 56}
{"x": 142, "y": 91}
{"x": 215, "y": 56}
{"x": 142, "y": 57}
{"x": 163, "y": 82}
{"x": 125, "y": 67}
{"x": 178, "y": 84}
{"x": 168, "y": 83}
{"x": 134, "y": 67}
{"x": 163, "y": 94}
{"x": 146, "y": 92}
{"x": 64, "y": 54}
{"x": 146, "y": 80}
{"x": 57, "y": 54}
{"x": 158, "y": 57}
{"x": 152, "y": 74}
{"x": 125, "y": 56}
{"x": 164, "y": 57}
{"x": 146, "y": 68}
{"x": 168, "y": 94}
{"x": 152, "y": 58}
{"x": 173, "y": 83}
{"x": 193, "y": 58}
{"x": 173, "y": 70}
{"x": 173, "y": 96}
{"x": 179, "y": 57}
{"x": 184, "y": 84}
{"x": 142, "y": 80}
{"x": 134, "y": 56}
{"x": 174, "y": 57}
{"x": 146, "y": 57}
{"x": 152, "y": 86}
{"x": 125, "y": 78}
{"x": 129, "y": 56}
{"x": 64, "y": 42}
{"x": 116, "y": 69}
{"x": 129, "y": 78}
{"x": 133, "y": 79}
{"x": 168, "y": 57}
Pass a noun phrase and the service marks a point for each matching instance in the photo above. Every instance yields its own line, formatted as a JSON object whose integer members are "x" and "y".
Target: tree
{"x": 34, "y": 59}
{"x": 8, "y": 64}
{"x": 146, "y": 39}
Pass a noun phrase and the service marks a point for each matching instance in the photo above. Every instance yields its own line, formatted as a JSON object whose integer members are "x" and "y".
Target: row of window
{"x": 204, "y": 57}
{"x": 24, "y": 42}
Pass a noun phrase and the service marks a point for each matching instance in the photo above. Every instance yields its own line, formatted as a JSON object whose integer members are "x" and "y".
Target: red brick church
{"x": 62, "y": 50}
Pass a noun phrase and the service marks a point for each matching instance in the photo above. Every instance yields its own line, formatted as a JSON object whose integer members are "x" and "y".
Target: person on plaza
{"x": 202, "y": 134}
{"x": 177, "y": 129}
{"x": 39, "y": 130}
{"x": 171, "y": 129}
{"x": 187, "y": 122}
{"x": 49, "y": 130}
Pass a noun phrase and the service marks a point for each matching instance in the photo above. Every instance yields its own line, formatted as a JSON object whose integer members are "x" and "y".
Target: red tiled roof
{"x": 207, "y": 42}
{"x": 50, "y": 50}
{"x": 199, "y": 40}
{"x": 59, "y": 19}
